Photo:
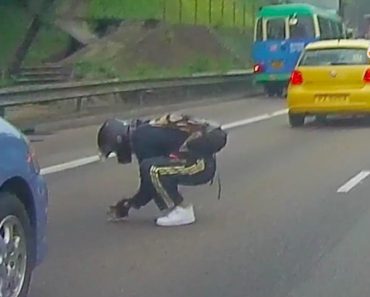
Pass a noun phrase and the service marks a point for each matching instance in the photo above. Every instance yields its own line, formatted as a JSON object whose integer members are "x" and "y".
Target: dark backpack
{"x": 212, "y": 141}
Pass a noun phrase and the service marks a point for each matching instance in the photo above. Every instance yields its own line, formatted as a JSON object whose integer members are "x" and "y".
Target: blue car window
{"x": 276, "y": 29}
{"x": 325, "y": 29}
{"x": 303, "y": 29}
{"x": 259, "y": 30}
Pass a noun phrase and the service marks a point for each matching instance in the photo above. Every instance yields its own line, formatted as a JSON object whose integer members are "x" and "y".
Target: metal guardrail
{"x": 48, "y": 93}
{"x": 21, "y": 95}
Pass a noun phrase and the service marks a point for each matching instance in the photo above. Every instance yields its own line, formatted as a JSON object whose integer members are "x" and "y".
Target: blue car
{"x": 23, "y": 212}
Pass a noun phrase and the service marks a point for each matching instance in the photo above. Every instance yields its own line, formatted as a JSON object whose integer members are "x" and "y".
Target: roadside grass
{"x": 14, "y": 20}
{"x": 105, "y": 70}
{"x": 175, "y": 11}
{"x": 13, "y": 24}
{"x": 50, "y": 40}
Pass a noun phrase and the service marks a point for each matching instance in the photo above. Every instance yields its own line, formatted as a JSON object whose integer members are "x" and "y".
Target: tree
{"x": 31, "y": 33}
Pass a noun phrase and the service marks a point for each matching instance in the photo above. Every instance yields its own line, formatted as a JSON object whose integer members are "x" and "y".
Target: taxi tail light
{"x": 258, "y": 68}
{"x": 367, "y": 76}
{"x": 296, "y": 78}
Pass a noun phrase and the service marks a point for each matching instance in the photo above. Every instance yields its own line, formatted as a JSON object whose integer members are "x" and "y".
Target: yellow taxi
{"x": 331, "y": 77}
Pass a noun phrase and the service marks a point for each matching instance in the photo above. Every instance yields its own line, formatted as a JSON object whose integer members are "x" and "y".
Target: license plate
{"x": 336, "y": 99}
{"x": 277, "y": 64}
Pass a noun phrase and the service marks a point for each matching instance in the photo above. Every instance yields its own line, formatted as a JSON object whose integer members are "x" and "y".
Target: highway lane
{"x": 54, "y": 147}
{"x": 280, "y": 229}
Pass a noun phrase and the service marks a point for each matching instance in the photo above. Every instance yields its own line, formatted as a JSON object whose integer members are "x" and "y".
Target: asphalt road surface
{"x": 290, "y": 222}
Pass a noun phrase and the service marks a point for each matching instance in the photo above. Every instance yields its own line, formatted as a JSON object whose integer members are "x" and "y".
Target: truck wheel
{"x": 296, "y": 120}
{"x": 16, "y": 247}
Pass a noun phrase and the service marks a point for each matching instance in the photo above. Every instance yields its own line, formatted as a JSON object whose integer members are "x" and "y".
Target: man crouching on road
{"x": 171, "y": 150}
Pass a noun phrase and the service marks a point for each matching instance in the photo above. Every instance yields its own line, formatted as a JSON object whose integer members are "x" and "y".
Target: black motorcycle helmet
{"x": 114, "y": 137}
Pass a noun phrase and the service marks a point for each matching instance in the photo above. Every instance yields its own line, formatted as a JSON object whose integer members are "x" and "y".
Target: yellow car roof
{"x": 336, "y": 43}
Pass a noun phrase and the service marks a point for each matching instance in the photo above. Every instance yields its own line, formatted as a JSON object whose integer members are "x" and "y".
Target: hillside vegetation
{"x": 228, "y": 13}
{"x": 180, "y": 45}
{"x": 13, "y": 23}
{"x": 133, "y": 51}
{"x": 14, "y": 20}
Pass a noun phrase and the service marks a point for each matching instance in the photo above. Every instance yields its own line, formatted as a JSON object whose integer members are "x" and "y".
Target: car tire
{"x": 296, "y": 120}
{"x": 13, "y": 216}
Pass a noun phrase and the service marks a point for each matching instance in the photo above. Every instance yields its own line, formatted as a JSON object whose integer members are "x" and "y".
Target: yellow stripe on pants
{"x": 157, "y": 172}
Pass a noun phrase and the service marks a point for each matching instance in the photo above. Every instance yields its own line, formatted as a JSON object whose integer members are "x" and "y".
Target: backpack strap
{"x": 218, "y": 180}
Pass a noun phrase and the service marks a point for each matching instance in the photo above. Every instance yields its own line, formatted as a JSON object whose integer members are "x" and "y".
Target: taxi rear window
{"x": 337, "y": 56}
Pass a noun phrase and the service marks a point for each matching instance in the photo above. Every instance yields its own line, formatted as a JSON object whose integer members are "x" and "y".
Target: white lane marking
{"x": 93, "y": 159}
{"x": 246, "y": 121}
{"x": 69, "y": 165}
{"x": 256, "y": 119}
{"x": 279, "y": 112}
{"x": 353, "y": 182}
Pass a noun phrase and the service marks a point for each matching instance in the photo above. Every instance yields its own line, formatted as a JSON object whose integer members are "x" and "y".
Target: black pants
{"x": 161, "y": 176}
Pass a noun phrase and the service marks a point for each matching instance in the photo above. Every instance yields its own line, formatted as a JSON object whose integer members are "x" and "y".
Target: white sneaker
{"x": 177, "y": 217}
